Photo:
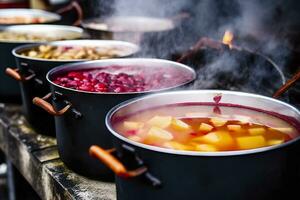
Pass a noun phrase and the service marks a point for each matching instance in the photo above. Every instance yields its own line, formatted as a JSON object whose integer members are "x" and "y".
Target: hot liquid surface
{"x": 206, "y": 128}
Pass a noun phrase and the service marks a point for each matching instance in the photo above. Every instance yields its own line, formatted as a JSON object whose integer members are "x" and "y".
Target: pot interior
{"x": 150, "y": 69}
{"x": 228, "y": 102}
{"x": 42, "y": 32}
{"x": 23, "y": 16}
{"x": 122, "y": 49}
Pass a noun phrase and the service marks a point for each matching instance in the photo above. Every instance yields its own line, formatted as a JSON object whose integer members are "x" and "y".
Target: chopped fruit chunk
{"x": 205, "y": 127}
{"x": 274, "y": 142}
{"x": 218, "y": 121}
{"x": 256, "y": 131}
{"x": 135, "y": 138}
{"x": 287, "y": 130}
{"x": 180, "y": 125}
{"x": 205, "y": 147}
{"x": 251, "y": 142}
{"x": 158, "y": 134}
{"x": 221, "y": 139}
{"x": 234, "y": 127}
{"x": 130, "y": 125}
{"x": 177, "y": 146}
{"x": 242, "y": 119}
{"x": 195, "y": 114}
{"x": 160, "y": 121}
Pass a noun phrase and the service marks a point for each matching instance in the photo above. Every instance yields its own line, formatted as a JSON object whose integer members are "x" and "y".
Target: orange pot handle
{"x": 42, "y": 103}
{"x": 113, "y": 163}
{"x": 14, "y": 73}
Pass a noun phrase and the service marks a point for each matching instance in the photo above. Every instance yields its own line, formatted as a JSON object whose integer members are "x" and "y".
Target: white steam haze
{"x": 254, "y": 23}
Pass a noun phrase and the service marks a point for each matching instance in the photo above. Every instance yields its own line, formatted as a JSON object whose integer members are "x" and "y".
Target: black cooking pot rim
{"x": 135, "y": 48}
{"x": 195, "y": 153}
{"x": 121, "y": 62}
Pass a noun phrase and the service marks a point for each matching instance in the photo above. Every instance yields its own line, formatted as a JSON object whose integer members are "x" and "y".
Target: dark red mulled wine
{"x": 122, "y": 79}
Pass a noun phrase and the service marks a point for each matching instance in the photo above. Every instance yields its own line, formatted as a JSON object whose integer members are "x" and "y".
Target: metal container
{"x": 34, "y": 83}
{"x": 79, "y": 115}
{"x": 9, "y": 89}
{"x": 159, "y": 173}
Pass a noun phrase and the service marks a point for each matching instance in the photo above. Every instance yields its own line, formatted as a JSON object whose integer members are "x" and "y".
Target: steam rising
{"x": 256, "y": 25}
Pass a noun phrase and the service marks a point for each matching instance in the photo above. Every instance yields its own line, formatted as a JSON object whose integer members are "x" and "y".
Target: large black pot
{"x": 36, "y": 84}
{"x": 158, "y": 173}
{"x": 9, "y": 89}
{"x": 80, "y": 115}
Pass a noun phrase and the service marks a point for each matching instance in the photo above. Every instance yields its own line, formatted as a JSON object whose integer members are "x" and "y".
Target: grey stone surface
{"x": 37, "y": 159}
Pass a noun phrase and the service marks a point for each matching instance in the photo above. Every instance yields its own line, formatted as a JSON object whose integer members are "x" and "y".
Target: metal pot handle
{"x": 113, "y": 163}
{"x": 14, "y": 73}
{"x": 41, "y": 102}
{"x": 73, "y": 5}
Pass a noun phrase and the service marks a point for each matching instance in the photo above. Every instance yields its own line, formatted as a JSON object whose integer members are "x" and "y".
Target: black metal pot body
{"x": 262, "y": 174}
{"x": 83, "y": 124}
{"x": 9, "y": 89}
{"x": 41, "y": 121}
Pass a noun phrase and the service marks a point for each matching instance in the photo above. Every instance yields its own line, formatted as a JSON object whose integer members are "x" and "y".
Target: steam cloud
{"x": 255, "y": 23}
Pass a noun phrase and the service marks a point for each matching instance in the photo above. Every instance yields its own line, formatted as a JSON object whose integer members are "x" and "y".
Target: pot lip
{"x": 122, "y": 61}
{"x": 19, "y": 28}
{"x": 103, "y": 21}
{"x": 135, "y": 48}
{"x": 195, "y": 153}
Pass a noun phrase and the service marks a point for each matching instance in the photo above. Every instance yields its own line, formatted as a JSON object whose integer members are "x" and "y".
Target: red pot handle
{"x": 14, "y": 73}
{"x": 73, "y": 5}
{"x": 42, "y": 103}
{"x": 113, "y": 163}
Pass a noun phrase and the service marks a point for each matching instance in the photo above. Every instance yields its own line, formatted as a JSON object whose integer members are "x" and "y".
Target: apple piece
{"x": 159, "y": 134}
{"x": 221, "y": 139}
{"x": 251, "y": 142}
{"x": 205, "y": 127}
{"x": 272, "y": 142}
{"x": 180, "y": 125}
{"x": 177, "y": 146}
{"x": 287, "y": 130}
{"x": 130, "y": 125}
{"x": 218, "y": 121}
{"x": 160, "y": 121}
{"x": 234, "y": 127}
{"x": 257, "y": 131}
{"x": 206, "y": 147}
{"x": 135, "y": 138}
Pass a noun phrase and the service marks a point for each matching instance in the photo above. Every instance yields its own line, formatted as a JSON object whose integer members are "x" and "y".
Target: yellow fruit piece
{"x": 234, "y": 127}
{"x": 274, "y": 142}
{"x": 218, "y": 121}
{"x": 221, "y": 139}
{"x": 177, "y": 146}
{"x": 205, "y": 127}
{"x": 257, "y": 131}
{"x": 160, "y": 121}
{"x": 206, "y": 147}
{"x": 287, "y": 130}
{"x": 180, "y": 125}
{"x": 242, "y": 119}
{"x": 135, "y": 138}
{"x": 251, "y": 142}
{"x": 157, "y": 134}
{"x": 129, "y": 125}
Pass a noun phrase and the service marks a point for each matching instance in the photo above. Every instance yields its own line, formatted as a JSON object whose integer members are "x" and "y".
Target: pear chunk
{"x": 158, "y": 134}
{"x": 206, "y": 148}
{"x": 180, "y": 125}
{"x": 218, "y": 121}
{"x": 221, "y": 139}
{"x": 257, "y": 131}
{"x": 234, "y": 127}
{"x": 130, "y": 125}
{"x": 205, "y": 127}
{"x": 251, "y": 142}
{"x": 160, "y": 121}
